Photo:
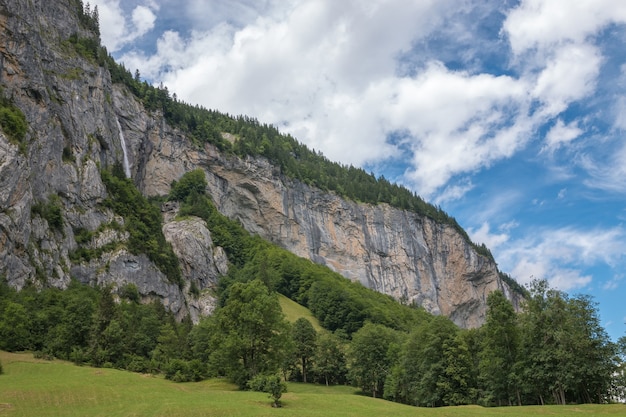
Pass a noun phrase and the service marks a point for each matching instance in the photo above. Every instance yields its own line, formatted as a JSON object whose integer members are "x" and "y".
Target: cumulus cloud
{"x": 561, "y": 134}
{"x": 560, "y": 255}
{"x": 542, "y": 25}
{"x": 484, "y": 235}
{"x": 115, "y": 30}
{"x": 567, "y": 77}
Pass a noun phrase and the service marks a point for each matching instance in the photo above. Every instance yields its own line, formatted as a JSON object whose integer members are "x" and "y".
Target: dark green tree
{"x": 252, "y": 331}
{"x": 305, "y": 342}
{"x": 372, "y": 357}
{"x": 499, "y": 356}
{"x": 329, "y": 362}
{"x": 14, "y": 327}
{"x": 567, "y": 355}
{"x": 457, "y": 384}
{"x": 422, "y": 376}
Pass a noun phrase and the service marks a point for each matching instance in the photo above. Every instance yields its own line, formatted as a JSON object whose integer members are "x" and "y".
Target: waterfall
{"x": 126, "y": 164}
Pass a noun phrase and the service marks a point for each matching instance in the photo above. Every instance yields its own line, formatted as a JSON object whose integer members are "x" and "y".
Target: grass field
{"x": 37, "y": 388}
{"x": 293, "y": 311}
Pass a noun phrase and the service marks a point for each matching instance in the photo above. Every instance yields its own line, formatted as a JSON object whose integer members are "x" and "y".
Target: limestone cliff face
{"x": 76, "y": 119}
{"x": 72, "y": 131}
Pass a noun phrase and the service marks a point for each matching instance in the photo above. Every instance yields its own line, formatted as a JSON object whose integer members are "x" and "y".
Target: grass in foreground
{"x": 31, "y": 387}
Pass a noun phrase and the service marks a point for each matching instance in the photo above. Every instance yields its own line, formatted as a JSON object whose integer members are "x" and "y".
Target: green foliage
{"x": 179, "y": 370}
{"x": 272, "y": 384}
{"x": 554, "y": 351}
{"x": 329, "y": 363}
{"x": 86, "y": 325}
{"x": 129, "y": 292}
{"x": 88, "y": 18}
{"x": 249, "y": 327}
{"x": 84, "y": 237}
{"x": 143, "y": 222}
{"x": 499, "y": 356}
{"x": 51, "y": 211}
{"x": 13, "y": 122}
{"x": 566, "y": 355}
{"x": 305, "y": 342}
{"x": 371, "y": 357}
{"x": 15, "y": 327}
{"x": 426, "y": 373}
{"x": 190, "y": 183}
{"x": 88, "y": 48}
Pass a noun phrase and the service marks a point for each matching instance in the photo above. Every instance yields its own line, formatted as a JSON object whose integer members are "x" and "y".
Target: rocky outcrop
{"x": 76, "y": 118}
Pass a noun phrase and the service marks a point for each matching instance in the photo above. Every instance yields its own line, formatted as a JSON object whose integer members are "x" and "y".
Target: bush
{"x": 272, "y": 384}
{"x": 138, "y": 363}
{"x": 50, "y": 211}
{"x": 179, "y": 370}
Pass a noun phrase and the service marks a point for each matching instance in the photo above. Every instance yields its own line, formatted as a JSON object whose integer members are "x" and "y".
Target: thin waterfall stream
{"x": 124, "y": 151}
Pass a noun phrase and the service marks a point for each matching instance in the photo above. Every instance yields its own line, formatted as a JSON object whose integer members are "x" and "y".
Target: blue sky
{"x": 510, "y": 115}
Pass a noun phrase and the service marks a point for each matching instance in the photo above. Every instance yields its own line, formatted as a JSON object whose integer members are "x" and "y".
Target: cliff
{"x": 80, "y": 122}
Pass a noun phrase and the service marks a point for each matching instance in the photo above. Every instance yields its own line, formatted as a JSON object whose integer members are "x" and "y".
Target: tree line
{"x": 554, "y": 352}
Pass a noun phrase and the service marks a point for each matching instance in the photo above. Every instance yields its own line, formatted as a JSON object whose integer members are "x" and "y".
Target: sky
{"x": 509, "y": 115}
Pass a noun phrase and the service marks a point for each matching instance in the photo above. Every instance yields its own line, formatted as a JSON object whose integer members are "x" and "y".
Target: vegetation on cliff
{"x": 143, "y": 221}
{"x": 13, "y": 122}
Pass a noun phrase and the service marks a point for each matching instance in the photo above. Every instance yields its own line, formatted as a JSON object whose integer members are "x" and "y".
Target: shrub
{"x": 50, "y": 211}
{"x": 272, "y": 384}
{"x": 13, "y": 122}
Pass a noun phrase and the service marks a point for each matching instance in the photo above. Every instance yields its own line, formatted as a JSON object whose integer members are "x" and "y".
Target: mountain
{"x": 65, "y": 123}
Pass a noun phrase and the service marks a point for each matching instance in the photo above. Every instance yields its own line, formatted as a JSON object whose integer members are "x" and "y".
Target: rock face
{"x": 396, "y": 252}
{"x": 76, "y": 117}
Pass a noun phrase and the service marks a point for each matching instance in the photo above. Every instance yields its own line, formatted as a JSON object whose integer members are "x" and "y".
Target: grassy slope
{"x": 32, "y": 387}
{"x": 293, "y": 311}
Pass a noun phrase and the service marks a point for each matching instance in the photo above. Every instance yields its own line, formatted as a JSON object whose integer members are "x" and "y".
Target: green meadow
{"x": 293, "y": 311}
{"x": 36, "y": 388}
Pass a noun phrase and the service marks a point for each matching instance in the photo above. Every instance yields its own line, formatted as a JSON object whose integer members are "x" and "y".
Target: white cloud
{"x": 143, "y": 19}
{"x": 613, "y": 283}
{"x": 483, "y": 235}
{"x": 454, "y": 191}
{"x": 568, "y": 76}
{"x": 561, "y": 255}
{"x": 609, "y": 173}
{"x": 561, "y": 134}
{"x": 544, "y": 24}
{"x": 115, "y": 30}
